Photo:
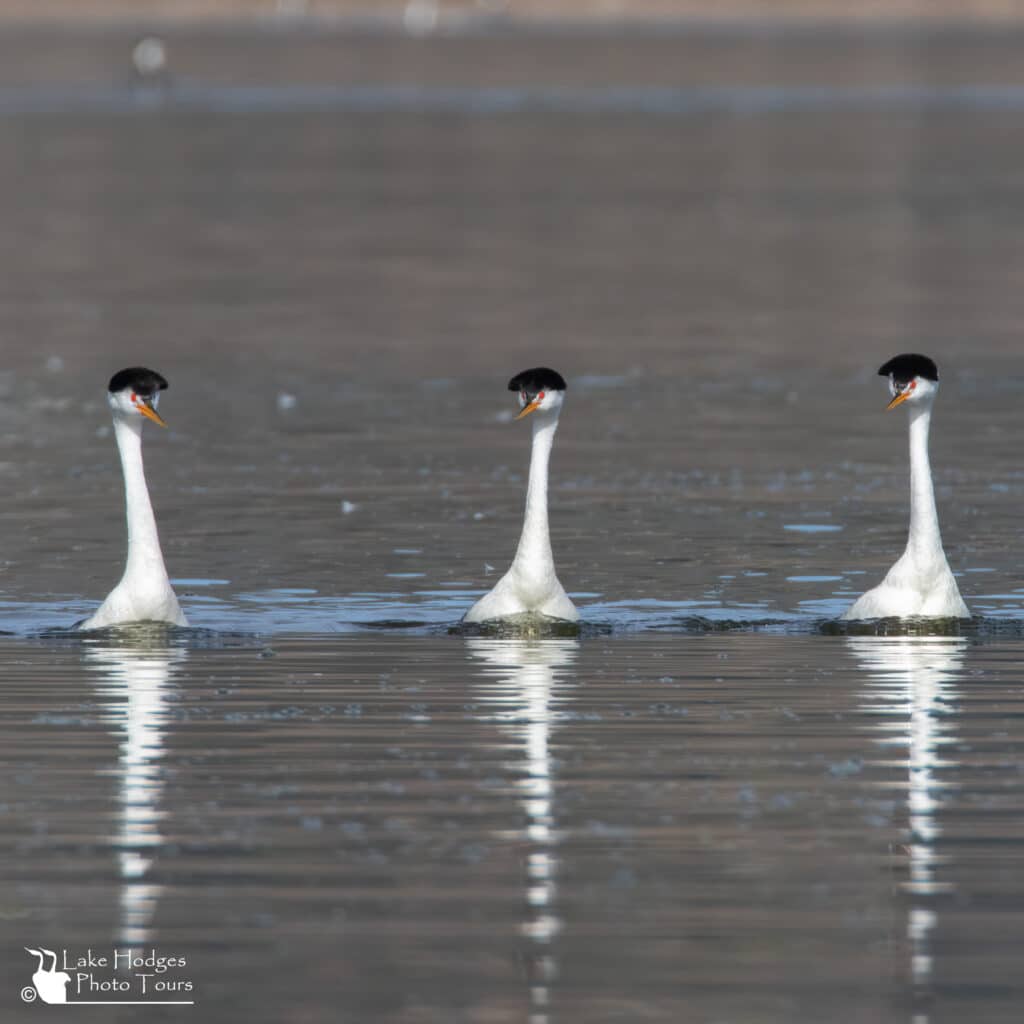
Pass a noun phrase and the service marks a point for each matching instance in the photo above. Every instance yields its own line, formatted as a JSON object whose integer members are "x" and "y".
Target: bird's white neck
{"x": 533, "y": 555}
{"x": 924, "y": 544}
{"x": 145, "y": 560}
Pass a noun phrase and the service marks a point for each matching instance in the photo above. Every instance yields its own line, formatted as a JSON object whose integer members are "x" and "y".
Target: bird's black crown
{"x": 539, "y": 379}
{"x": 142, "y": 381}
{"x": 906, "y": 367}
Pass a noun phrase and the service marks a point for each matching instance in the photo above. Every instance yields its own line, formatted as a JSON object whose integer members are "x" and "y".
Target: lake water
{"x": 710, "y": 805}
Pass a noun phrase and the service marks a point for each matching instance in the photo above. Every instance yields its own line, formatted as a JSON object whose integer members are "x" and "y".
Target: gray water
{"x": 707, "y": 806}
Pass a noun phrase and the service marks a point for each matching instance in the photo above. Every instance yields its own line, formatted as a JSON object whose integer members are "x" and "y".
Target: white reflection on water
{"x": 135, "y": 679}
{"x": 524, "y": 678}
{"x": 913, "y": 689}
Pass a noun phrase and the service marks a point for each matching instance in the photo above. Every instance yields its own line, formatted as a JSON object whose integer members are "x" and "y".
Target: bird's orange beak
{"x": 901, "y": 397}
{"x": 150, "y": 413}
{"x": 532, "y": 407}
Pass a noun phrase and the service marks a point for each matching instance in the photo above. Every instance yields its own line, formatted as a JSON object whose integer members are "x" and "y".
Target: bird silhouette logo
{"x": 48, "y": 984}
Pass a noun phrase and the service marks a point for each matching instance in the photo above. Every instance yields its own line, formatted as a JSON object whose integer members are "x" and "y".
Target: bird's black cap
{"x": 906, "y": 367}
{"x": 539, "y": 379}
{"x": 142, "y": 381}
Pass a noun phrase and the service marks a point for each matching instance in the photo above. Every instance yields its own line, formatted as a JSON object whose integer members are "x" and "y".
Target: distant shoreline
{"x": 507, "y": 56}
{"x": 430, "y": 15}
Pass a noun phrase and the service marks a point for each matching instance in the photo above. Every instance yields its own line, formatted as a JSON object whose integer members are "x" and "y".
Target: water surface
{"x": 706, "y": 806}
{"x": 715, "y": 827}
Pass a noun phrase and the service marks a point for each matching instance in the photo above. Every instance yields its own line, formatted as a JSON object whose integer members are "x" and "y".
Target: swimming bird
{"x": 920, "y": 583}
{"x": 531, "y": 585}
{"x": 144, "y": 593}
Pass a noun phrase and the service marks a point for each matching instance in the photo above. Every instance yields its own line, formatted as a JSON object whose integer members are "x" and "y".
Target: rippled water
{"x": 709, "y": 805}
{"x": 726, "y": 826}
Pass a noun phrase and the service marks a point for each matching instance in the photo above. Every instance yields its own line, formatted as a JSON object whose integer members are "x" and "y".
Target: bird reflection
{"x": 522, "y": 678}
{"x": 912, "y": 688}
{"x": 135, "y": 674}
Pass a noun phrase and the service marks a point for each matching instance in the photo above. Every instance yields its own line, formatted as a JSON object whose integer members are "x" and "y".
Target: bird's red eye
{"x": 135, "y": 397}
{"x": 540, "y": 397}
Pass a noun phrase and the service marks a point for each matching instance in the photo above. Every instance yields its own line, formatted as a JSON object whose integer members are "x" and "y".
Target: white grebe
{"x": 144, "y": 593}
{"x": 920, "y": 583}
{"x": 531, "y": 585}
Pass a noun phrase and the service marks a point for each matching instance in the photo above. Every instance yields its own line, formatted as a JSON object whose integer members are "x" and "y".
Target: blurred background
{"x": 517, "y": 8}
{"x": 338, "y": 231}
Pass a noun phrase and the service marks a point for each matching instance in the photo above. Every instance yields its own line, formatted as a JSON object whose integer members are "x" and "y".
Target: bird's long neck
{"x": 925, "y": 540}
{"x": 145, "y": 559}
{"x": 534, "y": 551}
